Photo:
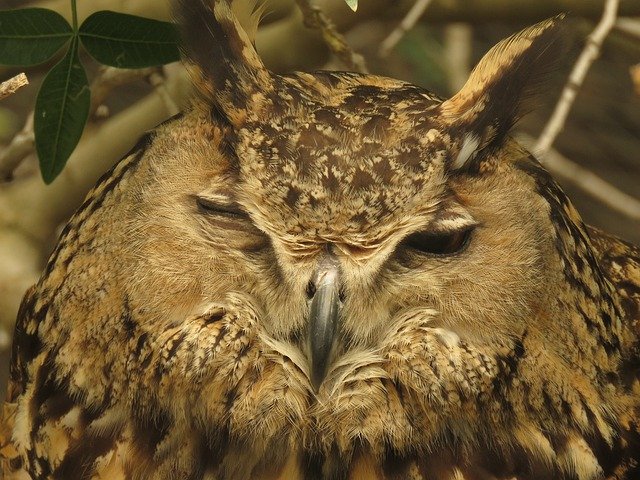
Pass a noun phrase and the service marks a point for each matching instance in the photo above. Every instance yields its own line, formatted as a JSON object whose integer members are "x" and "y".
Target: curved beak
{"x": 325, "y": 305}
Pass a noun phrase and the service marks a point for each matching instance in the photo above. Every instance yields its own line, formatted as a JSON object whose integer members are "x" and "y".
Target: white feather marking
{"x": 467, "y": 151}
{"x": 448, "y": 338}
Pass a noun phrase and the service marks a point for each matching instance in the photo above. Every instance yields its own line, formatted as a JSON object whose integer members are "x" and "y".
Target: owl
{"x": 330, "y": 276}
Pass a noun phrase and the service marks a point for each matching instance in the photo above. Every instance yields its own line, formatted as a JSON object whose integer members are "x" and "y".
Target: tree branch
{"x": 458, "y": 45}
{"x": 314, "y": 17}
{"x": 586, "y": 180}
{"x": 9, "y": 87}
{"x": 576, "y": 78}
{"x": 109, "y": 78}
{"x": 22, "y": 145}
{"x": 407, "y": 23}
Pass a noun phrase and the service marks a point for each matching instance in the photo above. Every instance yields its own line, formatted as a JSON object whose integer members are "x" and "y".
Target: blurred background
{"x": 601, "y": 135}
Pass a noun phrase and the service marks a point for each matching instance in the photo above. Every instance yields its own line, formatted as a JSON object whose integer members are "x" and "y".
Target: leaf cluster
{"x": 32, "y": 36}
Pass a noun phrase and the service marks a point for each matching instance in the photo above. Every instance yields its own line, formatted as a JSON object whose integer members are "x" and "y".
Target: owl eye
{"x": 436, "y": 243}
{"x": 210, "y": 207}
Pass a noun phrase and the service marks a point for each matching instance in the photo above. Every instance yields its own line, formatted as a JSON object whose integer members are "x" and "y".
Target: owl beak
{"x": 325, "y": 305}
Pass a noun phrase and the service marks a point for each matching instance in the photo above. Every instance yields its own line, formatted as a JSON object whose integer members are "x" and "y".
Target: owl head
{"x": 404, "y": 200}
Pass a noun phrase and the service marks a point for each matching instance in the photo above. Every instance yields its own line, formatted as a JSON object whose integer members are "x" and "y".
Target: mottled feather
{"x": 483, "y": 331}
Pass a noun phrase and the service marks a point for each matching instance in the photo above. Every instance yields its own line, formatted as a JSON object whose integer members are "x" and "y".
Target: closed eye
{"x": 211, "y": 207}
{"x": 439, "y": 243}
{"x": 229, "y": 219}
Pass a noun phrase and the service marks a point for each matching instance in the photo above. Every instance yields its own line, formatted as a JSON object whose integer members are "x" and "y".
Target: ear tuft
{"x": 504, "y": 85}
{"x": 219, "y": 52}
{"x": 249, "y": 14}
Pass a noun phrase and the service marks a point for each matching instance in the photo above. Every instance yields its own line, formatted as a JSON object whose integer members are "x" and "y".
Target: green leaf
{"x": 30, "y": 36}
{"x": 353, "y": 4}
{"x": 128, "y": 41}
{"x": 61, "y": 111}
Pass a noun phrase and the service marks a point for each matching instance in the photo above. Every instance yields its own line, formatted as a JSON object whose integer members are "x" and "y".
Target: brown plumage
{"x": 333, "y": 276}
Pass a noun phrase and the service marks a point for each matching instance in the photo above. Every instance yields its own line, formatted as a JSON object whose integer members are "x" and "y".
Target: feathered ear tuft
{"x": 220, "y": 55}
{"x": 249, "y": 13}
{"x": 504, "y": 85}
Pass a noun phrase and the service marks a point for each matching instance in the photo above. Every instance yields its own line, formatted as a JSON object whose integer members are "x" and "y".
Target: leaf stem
{"x": 74, "y": 16}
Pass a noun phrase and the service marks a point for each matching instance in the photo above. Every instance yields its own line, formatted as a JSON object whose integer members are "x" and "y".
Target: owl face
{"x": 359, "y": 173}
{"x": 396, "y": 196}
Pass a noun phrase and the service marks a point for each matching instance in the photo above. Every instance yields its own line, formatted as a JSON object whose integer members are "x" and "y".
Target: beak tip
{"x": 316, "y": 381}
{"x": 320, "y": 356}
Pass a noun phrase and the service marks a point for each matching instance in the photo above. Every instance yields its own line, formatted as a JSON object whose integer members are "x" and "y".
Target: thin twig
{"x": 629, "y": 26}
{"x": 407, "y": 23}
{"x": 579, "y": 72}
{"x": 10, "y": 86}
{"x": 316, "y": 18}
{"x": 21, "y": 146}
{"x": 109, "y": 78}
{"x": 587, "y": 181}
{"x": 158, "y": 80}
{"x": 458, "y": 40}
